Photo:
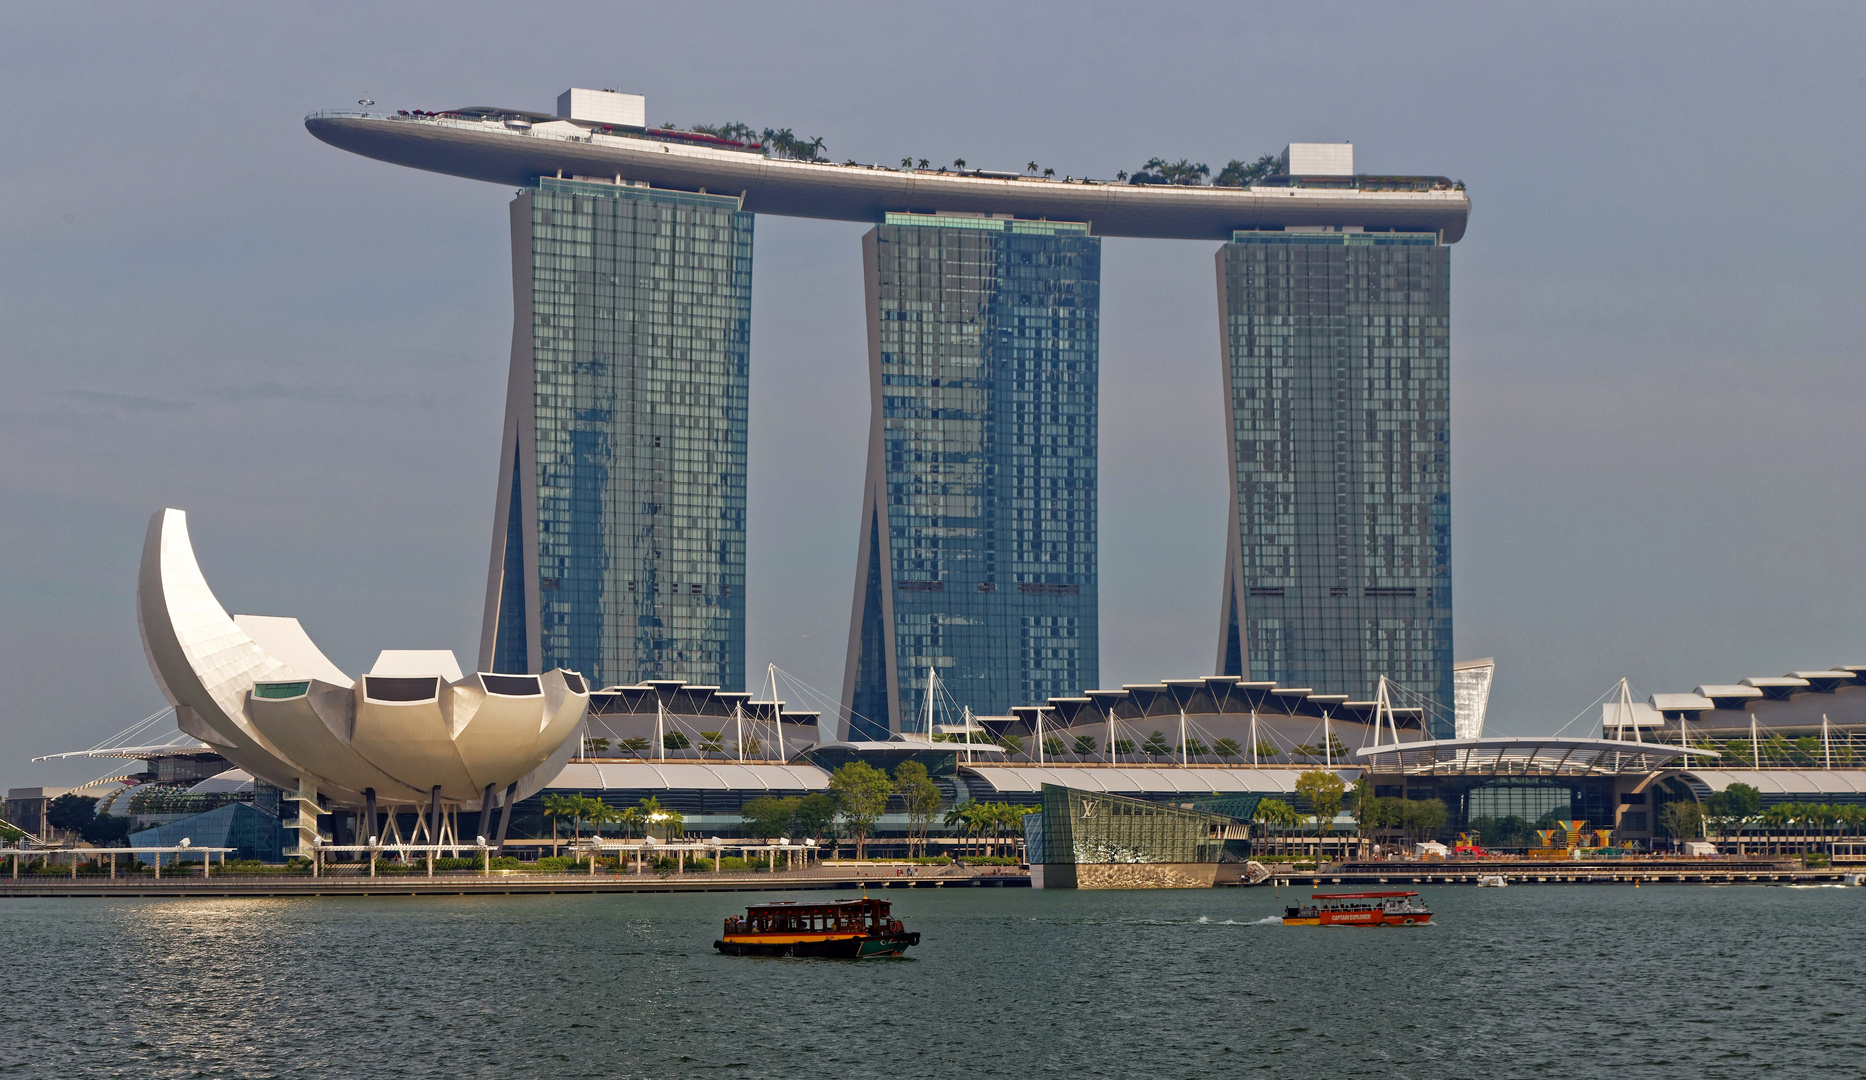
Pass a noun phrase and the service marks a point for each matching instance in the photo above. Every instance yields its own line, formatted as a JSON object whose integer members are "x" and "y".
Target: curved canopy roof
{"x": 1787, "y": 782}
{"x": 1514, "y": 755}
{"x": 486, "y": 148}
{"x": 689, "y": 776}
{"x": 1140, "y": 781}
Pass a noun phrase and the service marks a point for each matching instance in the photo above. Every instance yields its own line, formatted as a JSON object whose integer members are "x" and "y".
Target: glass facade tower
{"x": 1337, "y": 380}
{"x": 978, "y": 536}
{"x": 619, "y": 539}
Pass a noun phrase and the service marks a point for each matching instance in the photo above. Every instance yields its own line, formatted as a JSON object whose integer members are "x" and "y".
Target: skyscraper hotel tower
{"x": 619, "y": 539}
{"x": 619, "y": 535}
{"x": 1337, "y": 368}
{"x": 978, "y": 519}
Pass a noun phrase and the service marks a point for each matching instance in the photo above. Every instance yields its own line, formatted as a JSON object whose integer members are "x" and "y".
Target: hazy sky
{"x": 1657, "y": 314}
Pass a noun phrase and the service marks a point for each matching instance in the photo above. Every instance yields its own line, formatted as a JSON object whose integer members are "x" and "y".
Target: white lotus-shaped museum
{"x": 411, "y": 731}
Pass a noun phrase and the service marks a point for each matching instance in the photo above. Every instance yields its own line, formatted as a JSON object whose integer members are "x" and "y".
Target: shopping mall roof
{"x": 1520, "y": 755}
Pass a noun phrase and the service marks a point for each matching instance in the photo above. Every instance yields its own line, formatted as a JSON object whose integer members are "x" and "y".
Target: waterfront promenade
{"x": 835, "y": 876}
{"x": 1578, "y": 872}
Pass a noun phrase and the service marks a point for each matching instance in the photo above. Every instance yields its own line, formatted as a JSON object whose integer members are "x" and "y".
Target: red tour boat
{"x": 843, "y": 930}
{"x": 1360, "y": 909}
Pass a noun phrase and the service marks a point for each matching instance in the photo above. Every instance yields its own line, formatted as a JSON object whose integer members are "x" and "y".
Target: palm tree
{"x": 1032, "y": 167}
{"x": 907, "y": 163}
{"x": 958, "y": 163}
{"x": 1778, "y": 817}
{"x": 651, "y": 813}
{"x": 923, "y": 163}
{"x": 1049, "y": 172}
{"x": 561, "y": 806}
{"x": 965, "y": 817}
{"x": 1276, "y": 812}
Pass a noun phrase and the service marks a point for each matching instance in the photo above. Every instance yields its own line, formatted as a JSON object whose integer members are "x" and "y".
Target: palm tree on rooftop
{"x": 958, "y": 163}
{"x": 1049, "y": 172}
{"x": 923, "y": 163}
{"x": 1032, "y": 167}
{"x": 907, "y": 163}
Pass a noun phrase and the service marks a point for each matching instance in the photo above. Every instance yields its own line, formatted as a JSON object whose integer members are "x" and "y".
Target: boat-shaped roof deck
{"x": 513, "y": 148}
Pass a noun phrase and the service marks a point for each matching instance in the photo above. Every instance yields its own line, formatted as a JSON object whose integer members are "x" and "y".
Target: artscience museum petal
{"x": 413, "y": 730}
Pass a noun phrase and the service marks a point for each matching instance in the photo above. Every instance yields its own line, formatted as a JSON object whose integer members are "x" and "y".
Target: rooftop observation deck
{"x": 513, "y": 148}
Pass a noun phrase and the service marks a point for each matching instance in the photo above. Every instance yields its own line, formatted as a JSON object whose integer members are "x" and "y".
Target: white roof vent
{"x": 604, "y": 107}
{"x": 1319, "y": 159}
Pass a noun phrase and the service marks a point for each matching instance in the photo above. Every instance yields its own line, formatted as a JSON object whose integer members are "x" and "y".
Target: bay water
{"x": 1560, "y": 981}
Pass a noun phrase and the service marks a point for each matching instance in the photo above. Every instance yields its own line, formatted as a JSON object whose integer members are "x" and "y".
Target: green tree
{"x": 1424, "y": 817}
{"x": 1227, "y": 748}
{"x": 1195, "y": 748}
{"x": 1734, "y": 807}
{"x": 595, "y": 747}
{"x": 1267, "y": 749}
{"x": 1182, "y": 172}
{"x": 1238, "y": 174}
{"x": 1011, "y": 743}
{"x": 674, "y": 740}
{"x": 1684, "y": 819}
{"x": 635, "y": 747}
{"x": 921, "y": 797}
{"x": 710, "y": 742}
{"x": 1053, "y": 746}
{"x": 768, "y": 816}
{"x": 1155, "y": 746}
{"x": 1084, "y": 746}
{"x": 10, "y": 833}
{"x": 1123, "y": 748}
{"x": 1324, "y": 792}
{"x": 1360, "y": 800}
{"x": 71, "y": 812}
{"x": 815, "y": 816}
{"x": 861, "y": 792}
{"x": 750, "y": 747}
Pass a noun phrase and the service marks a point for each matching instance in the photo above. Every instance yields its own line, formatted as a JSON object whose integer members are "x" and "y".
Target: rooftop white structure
{"x": 257, "y": 691}
{"x": 1319, "y": 159}
{"x": 603, "y": 107}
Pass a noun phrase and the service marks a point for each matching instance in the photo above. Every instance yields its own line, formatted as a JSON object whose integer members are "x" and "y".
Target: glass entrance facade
{"x": 978, "y": 552}
{"x": 1337, "y": 378}
{"x": 619, "y": 541}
